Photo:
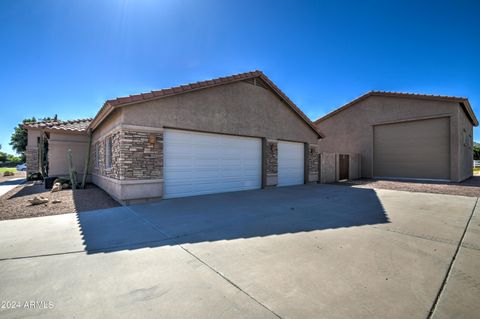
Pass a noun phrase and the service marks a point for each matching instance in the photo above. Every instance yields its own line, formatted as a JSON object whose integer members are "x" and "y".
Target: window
{"x": 108, "y": 152}
{"x": 97, "y": 155}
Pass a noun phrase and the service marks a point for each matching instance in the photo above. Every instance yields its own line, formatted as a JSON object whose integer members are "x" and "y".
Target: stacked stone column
{"x": 312, "y": 163}
{"x": 270, "y": 153}
{"x": 31, "y": 155}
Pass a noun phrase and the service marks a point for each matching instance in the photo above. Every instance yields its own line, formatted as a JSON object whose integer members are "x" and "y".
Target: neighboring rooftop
{"x": 78, "y": 125}
{"x": 109, "y": 105}
{"x": 463, "y": 101}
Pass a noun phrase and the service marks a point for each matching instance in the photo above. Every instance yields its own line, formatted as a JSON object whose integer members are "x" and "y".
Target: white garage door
{"x": 290, "y": 163}
{"x": 201, "y": 163}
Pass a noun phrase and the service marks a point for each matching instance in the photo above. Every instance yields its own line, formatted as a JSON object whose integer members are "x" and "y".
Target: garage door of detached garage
{"x": 416, "y": 149}
{"x": 203, "y": 163}
{"x": 291, "y": 163}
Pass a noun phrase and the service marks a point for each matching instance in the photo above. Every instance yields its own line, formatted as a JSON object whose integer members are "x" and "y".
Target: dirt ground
{"x": 14, "y": 204}
{"x": 17, "y": 175}
{"x": 469, "y": 187}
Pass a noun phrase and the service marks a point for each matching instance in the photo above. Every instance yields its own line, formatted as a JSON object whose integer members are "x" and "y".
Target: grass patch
{"x": 476, "y": 171}
{"x": 7, "y": 169}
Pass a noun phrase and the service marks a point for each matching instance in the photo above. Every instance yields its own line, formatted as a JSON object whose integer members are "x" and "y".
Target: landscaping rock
{"x": 37, "y": 200}
{"x": 56, "y": 187}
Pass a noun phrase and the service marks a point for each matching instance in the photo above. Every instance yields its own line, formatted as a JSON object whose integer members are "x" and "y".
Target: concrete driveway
{"x": 312, "y": 251}
{"x": 7, "y": 185}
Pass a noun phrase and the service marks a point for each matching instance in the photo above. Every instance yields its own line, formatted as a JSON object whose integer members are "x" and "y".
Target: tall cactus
{"x": 71, "y": 170}
{"x": 87, "y": 159}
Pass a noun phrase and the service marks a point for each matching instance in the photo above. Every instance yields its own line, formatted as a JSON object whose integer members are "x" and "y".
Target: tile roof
{"x": 109, "y": 105}
{"x": 182, "y": 88}
{"x": 78, "y": 125}
{"x": 462, "y": 100}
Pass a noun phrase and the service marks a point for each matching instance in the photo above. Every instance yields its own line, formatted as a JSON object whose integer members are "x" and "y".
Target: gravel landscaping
{"x": 14, "y": 204}
{"x": 469, "y": 187}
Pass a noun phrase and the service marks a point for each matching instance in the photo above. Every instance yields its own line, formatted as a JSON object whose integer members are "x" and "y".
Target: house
{"x": 233, "y": 133}
{"x": 61, "y": 136}
{"x": 401, "y": 135}
{"x": 242, "y": 132}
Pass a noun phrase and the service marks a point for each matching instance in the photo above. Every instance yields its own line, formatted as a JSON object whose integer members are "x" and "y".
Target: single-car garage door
{"x": 416, "y": 149}
{"x": 202, "y": 163}
{"x": 290, "y": 163}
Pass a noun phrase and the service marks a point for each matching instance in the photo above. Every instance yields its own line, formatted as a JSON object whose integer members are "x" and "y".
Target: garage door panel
{"x": 416, "y": 149}
{"x": 290, "y": 163}
{"x": 202, "y": 163}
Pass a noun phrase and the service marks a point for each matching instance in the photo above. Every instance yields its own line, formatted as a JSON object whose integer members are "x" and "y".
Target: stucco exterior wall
{"x": 239, "y": 108}
{"x": 113, "y": 120}
{"x": 351, "y": 130}
{"x": 58, "y": 146}
{"x": 465, "y": 143}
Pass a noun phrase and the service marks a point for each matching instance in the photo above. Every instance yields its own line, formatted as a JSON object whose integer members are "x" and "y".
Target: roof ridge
{"x": 375, "y": 92}
{"x": 78, "y": 125}
{"x": 465, "y": 104}
{"x": 183, "y": 87}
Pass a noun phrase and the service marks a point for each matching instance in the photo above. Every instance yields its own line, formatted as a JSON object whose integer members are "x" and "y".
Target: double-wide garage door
{"x": 416, "y": 149}
{"x": 203, "y": 163}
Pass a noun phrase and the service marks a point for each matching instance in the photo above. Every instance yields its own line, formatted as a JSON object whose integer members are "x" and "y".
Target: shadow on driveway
{"x": 230, "y": 216}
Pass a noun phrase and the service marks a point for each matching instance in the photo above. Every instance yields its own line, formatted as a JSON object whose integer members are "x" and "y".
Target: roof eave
{"x": 468, "y": 108}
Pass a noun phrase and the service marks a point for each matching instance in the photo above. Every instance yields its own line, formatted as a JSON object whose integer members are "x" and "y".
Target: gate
{"x": 343, "y": 166}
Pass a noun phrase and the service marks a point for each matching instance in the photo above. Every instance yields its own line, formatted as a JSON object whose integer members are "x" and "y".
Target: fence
{"x": 476, "y": 163}
{"x": 335, "y": 167}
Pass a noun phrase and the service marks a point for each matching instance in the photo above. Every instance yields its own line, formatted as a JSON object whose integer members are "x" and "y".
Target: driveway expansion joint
{"x": 230, "y": 282}
{"x": 430, "y": 238}
{"x": 450, "y": 267}
{"x": 205, "y": 263}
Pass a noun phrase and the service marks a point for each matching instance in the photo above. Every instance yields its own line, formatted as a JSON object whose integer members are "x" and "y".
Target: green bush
{"x": 35, "y": 177}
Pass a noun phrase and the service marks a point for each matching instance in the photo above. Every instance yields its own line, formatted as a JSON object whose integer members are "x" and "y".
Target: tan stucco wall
{"x": 465, "y": 152}
{"x": 112, "y": 121}
{"x": 58, "y": 146}
{"x": 238, "y": 108}
{"x": 351, "y": 130}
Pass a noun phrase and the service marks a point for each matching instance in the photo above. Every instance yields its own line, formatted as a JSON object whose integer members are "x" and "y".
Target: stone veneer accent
{"x": 139, "y": 159}
{"x": 313, "y": 162}
{"x": 31, "y": 155}
{"x": 270, "y": 153}
{"x": 133, "y": 156}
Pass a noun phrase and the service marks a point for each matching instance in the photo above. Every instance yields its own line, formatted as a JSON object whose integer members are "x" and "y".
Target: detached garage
{"x": 404, "y": 136}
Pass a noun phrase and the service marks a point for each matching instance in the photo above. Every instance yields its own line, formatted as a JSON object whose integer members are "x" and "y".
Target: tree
{"x": 476, "y": 152}
{"x": 20, "y": 135}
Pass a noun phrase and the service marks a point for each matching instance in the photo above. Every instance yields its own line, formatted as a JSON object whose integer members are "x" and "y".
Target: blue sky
{"x": 68, "y": 57}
